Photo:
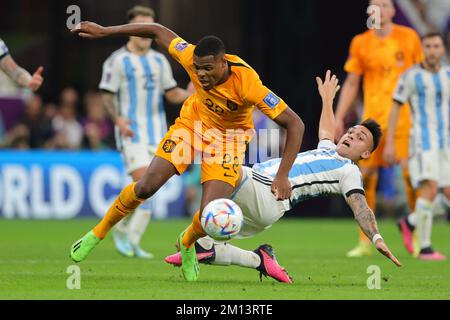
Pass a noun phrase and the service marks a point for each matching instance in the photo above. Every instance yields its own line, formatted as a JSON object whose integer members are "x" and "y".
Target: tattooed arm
{"x": 21, "y": 76}
{"x": 366, "y": 220}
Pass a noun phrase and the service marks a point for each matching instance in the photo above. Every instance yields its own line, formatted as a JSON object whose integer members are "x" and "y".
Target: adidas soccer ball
{"x": 222, "y": 219}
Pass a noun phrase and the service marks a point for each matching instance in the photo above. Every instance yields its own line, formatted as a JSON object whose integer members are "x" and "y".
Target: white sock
{"x": 412, "y": 219}
{"x": 138, "y": 223}
{"x": 424, "y": 211}
{"x": 227, "y": 254}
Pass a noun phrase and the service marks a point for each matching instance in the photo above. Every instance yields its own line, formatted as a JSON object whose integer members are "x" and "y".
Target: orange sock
{"x": 411, "y": 195}
{"x": 193, "y": 232}
{"x": 125, "y": 203}
{"x": 370, "y": 185}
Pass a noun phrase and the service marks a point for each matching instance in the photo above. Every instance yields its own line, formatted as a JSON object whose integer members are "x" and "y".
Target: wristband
{"x": 376, "y": 238}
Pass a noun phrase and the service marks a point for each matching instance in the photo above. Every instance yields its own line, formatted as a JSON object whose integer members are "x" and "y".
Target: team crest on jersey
{"x": 271, "y": 100}
{"x": 232, "y": 106}
{"x": 169, "y": 146}
{"x": 180, "y": 46}
{"x": 400, "y": 57}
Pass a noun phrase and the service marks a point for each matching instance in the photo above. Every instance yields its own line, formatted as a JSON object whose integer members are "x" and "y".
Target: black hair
{"x": 209, "y": 46}
{"x": 375, "y": 129}
{"x": 432, "y": 35}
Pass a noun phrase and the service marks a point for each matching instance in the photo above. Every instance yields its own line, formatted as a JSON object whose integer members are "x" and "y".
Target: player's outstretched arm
{"x": 327, "y": 90}
{"x": 21, "y": 76}
{"x": 389, "y": 149}
{"x": 295, "y": 129}
{"x": 366, "y": 220}
{"x": 162, "y": 35}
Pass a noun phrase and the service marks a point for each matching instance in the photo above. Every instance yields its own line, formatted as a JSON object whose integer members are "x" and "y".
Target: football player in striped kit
{"x": 329, "y": 169}
{"x": 18, "y": 74}
{"x": 426, "y": 87}
{"x": 135, "y": 81}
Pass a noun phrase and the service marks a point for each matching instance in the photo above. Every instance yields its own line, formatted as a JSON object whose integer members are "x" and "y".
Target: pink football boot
{"x": 407, "y": 234}
{"x": 269, "y": 265}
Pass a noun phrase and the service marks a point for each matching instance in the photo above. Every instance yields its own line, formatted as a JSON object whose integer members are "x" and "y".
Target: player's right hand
{"x": 389, "y": 154}
{"x": 89, "y": 30}
{"x": 124, "y": 127}
{"x": 384, "y": 250}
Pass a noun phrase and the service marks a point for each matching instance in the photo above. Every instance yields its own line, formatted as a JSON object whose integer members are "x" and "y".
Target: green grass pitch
{"x": 34, "y": 257}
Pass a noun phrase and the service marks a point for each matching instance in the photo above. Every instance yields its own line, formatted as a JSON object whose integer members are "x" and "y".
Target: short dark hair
{"x": 432, "y": 35}
{"x": 375, "y": 129}
{"x": 209, "y": 46}
{"x": 140, "y": 11}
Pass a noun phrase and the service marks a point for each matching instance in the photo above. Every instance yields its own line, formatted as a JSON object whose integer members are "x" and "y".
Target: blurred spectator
{"x": 34, "y": 130}
{"x": 69, "y": 96}
{"x": 69, "y": 132}
{"x": 17, "y": 137}
{"x": 98, "y": 129}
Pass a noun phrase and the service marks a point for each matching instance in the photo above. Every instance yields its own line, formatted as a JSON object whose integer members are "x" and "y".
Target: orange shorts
{"x": 376, "y": 158}
{"x": 181, "y": 146}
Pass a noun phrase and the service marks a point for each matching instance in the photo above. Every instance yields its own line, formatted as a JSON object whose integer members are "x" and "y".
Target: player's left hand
{"x": 384, "y": 250}
{"x": 281, "y": 188}
{"x": 36, "y": 79}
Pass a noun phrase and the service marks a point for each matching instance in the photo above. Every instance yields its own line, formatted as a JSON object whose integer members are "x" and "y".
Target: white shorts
{"x": 258, "y": 204}
{"x": 431, "y": 165}
{"x": 137, "y": 155}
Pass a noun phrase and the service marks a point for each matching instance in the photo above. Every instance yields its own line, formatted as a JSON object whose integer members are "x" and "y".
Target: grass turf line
{"x": 34, "y": 256}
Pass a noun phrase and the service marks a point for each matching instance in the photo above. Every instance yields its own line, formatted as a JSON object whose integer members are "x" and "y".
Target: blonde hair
{"x": 140, "y": 11}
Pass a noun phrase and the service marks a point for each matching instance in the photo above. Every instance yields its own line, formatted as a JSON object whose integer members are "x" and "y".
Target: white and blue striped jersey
{"x": 429, "y": 97}
{"x": 316, "y": 173}
{"x": 3, "y": 49}
{"x": 139, "y": 83}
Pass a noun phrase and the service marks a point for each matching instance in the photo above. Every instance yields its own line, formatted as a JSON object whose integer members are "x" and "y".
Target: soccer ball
{"x": 222, "y": 219}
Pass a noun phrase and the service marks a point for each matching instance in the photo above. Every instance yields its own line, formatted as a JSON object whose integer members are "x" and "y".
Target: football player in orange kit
{"x": 227, "y": 89}
{"x": 379, "y": 57}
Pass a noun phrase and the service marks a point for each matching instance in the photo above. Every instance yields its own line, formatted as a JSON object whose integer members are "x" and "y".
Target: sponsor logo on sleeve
{"x": 271, "y": 100}
{"x": 180, "y": 46}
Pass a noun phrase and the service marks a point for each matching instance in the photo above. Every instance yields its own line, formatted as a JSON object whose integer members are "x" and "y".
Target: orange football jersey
{"x": 381, "y": 61}
{"x": 230, "y": 104}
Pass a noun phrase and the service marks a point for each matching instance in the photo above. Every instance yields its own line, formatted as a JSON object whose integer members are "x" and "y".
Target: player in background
{"x": 378, "y": 57}
{"x": 329, "y": 169}
{"x": 226, "y": 91}
{"x": 18, "y": 74}
{"x": 134, "y": 83}
{"x": 427, "y": 88}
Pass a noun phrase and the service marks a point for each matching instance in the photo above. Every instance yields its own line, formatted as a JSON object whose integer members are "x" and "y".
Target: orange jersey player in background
{"x": 227, "y": 89}
{"x": 379, "y": 57}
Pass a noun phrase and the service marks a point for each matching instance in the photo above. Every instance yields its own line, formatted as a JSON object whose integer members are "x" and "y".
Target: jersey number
{"x": 213, "y": 107}
{"x": 229, "y": 163}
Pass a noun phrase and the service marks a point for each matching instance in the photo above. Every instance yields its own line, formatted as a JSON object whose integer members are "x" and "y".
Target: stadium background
{"x": 287, "y": 42}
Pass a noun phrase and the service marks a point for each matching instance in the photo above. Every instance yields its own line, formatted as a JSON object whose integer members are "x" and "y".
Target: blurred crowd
{"x": 61, "y": 125}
